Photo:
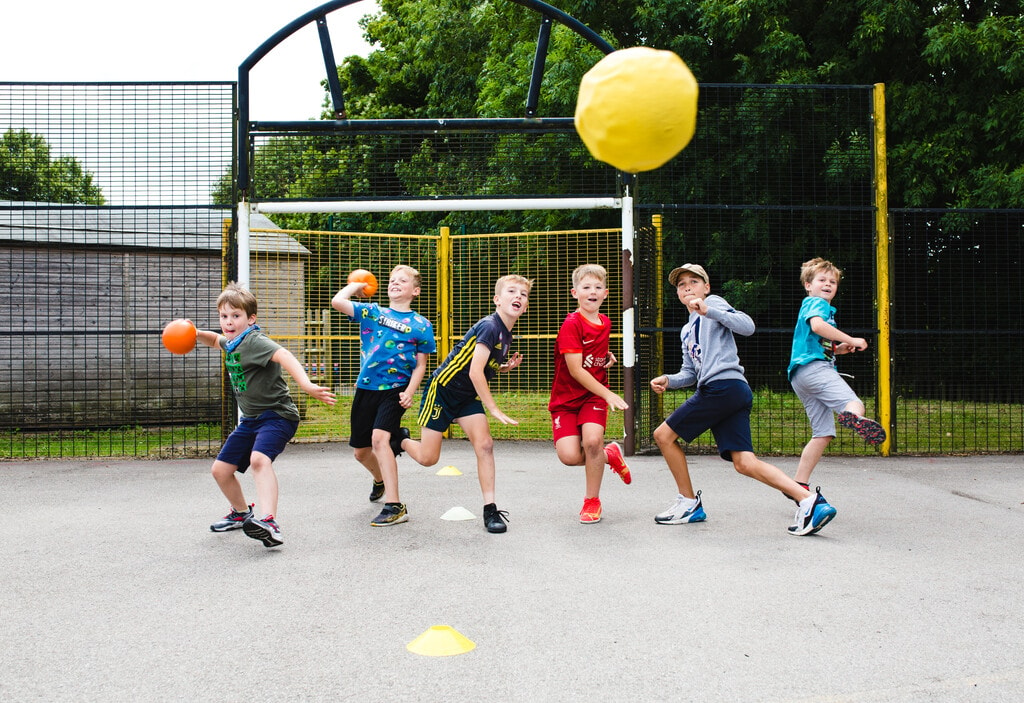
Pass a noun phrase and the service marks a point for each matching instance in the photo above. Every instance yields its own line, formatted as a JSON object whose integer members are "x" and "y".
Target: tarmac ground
{"x": 113, "y": 588}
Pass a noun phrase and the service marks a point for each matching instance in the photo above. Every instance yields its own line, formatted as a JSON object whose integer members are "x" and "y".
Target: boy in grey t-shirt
{"x": 721, "y": 404}
{"x": 269, "y": 417}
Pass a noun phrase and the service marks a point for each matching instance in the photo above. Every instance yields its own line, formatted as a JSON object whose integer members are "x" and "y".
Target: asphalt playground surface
{"x": 112, "y": 587}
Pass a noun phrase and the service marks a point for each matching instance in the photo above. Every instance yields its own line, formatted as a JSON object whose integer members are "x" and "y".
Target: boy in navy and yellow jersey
{"x": 458, "y": 391}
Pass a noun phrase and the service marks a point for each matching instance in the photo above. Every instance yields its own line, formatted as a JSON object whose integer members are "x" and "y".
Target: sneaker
{"x": 591, "y": 512}
{"x": 613, "y": 452}
{"x": 869, "y": 430}
{"x": 682, "y": 511}
{"x": 396, "y": 441}
{"x": 377, "y": 492}
{"x": 813, "y": 516}
{"x": 494, "y": 519}
{"x": 265, "y": 530}
{"x": 805, "y": 486}
{"x": 392, "y": 514}
{"x": 231, "y": 521}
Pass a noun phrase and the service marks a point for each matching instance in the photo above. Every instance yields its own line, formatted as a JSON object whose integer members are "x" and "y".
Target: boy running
{"x": 580, "y": 396}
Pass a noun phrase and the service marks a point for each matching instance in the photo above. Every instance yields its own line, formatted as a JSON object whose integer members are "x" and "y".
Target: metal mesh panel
{"x": 385, "y": 165}
{"x": 328, "y": 343}
{"x": 125, "y": 241}
{"x": 144, "y": 143}
{"x": 957, "y": 330}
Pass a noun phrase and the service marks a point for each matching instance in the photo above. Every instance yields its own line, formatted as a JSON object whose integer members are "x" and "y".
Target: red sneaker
{"x": 613, "y": 452}
{"x": 591, "y": 512}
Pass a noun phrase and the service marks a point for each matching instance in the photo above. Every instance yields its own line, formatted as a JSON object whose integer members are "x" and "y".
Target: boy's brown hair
{"x": 512, "y": 278}
{"x": 810, "y": 269}
{"x": 238, "y": 297}
{"x": 594, "y": 270}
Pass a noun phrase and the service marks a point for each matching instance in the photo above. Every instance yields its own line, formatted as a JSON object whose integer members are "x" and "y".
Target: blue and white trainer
{"x": 812, "y": 514}
{"x": 232, "y": 521}
{"x": 682, "y": 511}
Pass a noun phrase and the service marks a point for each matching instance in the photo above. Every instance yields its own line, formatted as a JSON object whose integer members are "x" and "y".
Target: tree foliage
{"x": 28, "y": 172}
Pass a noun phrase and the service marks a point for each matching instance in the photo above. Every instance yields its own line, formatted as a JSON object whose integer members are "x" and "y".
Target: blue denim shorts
{"x": 267, "y": 434}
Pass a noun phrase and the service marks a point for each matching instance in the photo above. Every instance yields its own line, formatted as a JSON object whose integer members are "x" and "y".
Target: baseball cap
{"x": 695, "y": 269}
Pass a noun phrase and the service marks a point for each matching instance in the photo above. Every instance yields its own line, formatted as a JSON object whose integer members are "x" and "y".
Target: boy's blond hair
{"x": 512, "y": 278}
{"x": 594, "y": 270}
{"x": 413, "y": 273}
{"x": 238, "y": 297}
{"x": 810, "y": 269}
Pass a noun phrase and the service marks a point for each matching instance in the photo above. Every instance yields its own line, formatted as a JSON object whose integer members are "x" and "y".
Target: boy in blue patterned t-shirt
{"x": 812, "y": 368}
{"x": 394, "y": 344}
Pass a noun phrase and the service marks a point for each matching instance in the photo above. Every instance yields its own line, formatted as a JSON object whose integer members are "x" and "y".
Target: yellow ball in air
{"x": 637, "y": 108}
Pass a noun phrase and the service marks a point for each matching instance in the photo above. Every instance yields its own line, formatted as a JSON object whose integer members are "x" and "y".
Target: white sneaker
{"x": 812, "y": 514}
{"x": 682, "y": 511}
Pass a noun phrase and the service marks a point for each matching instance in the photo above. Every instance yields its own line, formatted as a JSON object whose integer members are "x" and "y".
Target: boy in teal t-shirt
{"x": 395, "y": 342}
{"x": 812, "y": 370}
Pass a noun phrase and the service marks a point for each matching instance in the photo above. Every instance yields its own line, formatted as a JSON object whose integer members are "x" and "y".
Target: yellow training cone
{"x": 449, "y": 471}
{"x": 440, "y": 641}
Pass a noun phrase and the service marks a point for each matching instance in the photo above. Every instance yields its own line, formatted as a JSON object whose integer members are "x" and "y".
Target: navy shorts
{"x": 374, "y": 410}
{"x": 267, "y": 434}
{"x": 722, "y": 407}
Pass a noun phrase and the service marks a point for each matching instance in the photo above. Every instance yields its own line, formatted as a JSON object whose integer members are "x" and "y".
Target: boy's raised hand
{"x": 659, "y": 384}
{"x": 513, "y": 361}
{"x": 697, "y": 305}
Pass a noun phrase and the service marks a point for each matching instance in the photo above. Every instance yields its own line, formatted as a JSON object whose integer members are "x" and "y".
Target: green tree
{"x": 28, "y": 172}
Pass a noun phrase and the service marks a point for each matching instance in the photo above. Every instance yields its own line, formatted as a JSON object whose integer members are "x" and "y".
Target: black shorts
{"x": 374, "y": 410}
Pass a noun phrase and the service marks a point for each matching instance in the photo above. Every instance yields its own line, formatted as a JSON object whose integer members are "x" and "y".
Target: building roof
{"x": 196, "y": 229}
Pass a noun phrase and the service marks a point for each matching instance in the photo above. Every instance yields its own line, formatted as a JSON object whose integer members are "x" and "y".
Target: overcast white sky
{"x": 183, "y": 40}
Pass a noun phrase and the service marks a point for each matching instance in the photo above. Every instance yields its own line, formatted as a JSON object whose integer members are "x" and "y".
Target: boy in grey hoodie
{"x": 721, "y": 404}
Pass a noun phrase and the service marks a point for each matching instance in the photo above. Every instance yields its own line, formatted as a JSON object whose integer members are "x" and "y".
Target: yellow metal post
{"x": 883, "y": 266}
{"x": 444, "y": 294}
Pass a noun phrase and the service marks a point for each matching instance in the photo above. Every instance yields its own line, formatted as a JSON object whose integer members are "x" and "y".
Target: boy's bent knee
{"x": 664, "y": 435}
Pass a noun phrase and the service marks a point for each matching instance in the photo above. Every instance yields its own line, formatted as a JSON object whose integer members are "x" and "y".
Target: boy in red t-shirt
{"x": 580, "y": 396}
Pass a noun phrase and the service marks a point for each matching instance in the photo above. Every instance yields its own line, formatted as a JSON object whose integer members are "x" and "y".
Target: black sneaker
{"x": 377, "y": 492}
{"x": 265, "y": 530}
{"x": 494, "y": 519}
{"x": 231, "y": 521}
{"x": 396, "y": 441}
{"x": 392, "y": 514}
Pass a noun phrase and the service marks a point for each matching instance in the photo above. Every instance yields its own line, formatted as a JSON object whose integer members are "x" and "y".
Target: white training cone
{"x": 440, "y": 641}
{"x": 458, "y": 513}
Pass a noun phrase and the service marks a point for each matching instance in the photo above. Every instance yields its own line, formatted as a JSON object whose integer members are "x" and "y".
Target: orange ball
{"x": 364, "y": 276}
{"x": 179, "y": 336}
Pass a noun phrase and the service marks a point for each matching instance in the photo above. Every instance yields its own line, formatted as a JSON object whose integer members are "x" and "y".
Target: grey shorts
{"x": 823, "y": 392}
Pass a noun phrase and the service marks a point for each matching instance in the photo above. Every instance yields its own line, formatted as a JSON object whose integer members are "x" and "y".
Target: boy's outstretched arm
{"x": 290, "y": 364}
{"x": 208, "y": 337}
{"x": 574, "y": 362}
{"x": 481, "y": 356}
{"x": 342, "y": 299}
